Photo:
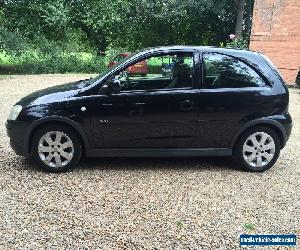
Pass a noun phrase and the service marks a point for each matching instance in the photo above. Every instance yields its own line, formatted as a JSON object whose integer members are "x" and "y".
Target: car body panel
{"x": 144, "y": 119}
{"x": 222, "y": 112}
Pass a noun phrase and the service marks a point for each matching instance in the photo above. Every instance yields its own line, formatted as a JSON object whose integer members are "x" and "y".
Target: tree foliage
{"x": 48, "y": 31}
{"x": 121, "y": 23}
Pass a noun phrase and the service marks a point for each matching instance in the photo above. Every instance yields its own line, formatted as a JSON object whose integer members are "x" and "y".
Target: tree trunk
{"x": 248, "y": 18}
{"x": 240, "y": 18}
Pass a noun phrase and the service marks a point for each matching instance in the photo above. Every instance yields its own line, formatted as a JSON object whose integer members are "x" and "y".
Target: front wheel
{"x": 257, "y": 149}
{"x": 56, "y": 148}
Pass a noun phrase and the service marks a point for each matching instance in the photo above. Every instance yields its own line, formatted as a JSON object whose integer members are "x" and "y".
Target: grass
{"x": 164, "y": 59}
{"x": 249, "y": 226}
{"x": 4, "y": 77}
{"x": 5, "y": 59}
{"x": 179, "y": 223}
{"x": 32, "y": 62}
{"x": 7, "y": 65}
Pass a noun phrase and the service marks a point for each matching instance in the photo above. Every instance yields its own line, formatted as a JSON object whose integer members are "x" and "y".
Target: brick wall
{"x": 276, "y": 33}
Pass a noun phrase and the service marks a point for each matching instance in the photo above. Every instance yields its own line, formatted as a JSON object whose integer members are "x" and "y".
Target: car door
{"x": 232, "y": 93}
{"x": 151, "y": 118}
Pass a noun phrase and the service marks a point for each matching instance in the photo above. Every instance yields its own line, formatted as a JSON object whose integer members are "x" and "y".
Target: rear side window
{"x": 221, "y": 71}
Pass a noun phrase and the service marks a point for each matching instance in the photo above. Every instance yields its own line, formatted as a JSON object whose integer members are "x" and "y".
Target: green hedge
{"x": 154, "y": 69}
{"x": 61, "y": 64}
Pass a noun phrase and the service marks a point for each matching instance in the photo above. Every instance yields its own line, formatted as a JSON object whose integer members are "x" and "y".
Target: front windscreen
{"x": 105, "y": 72}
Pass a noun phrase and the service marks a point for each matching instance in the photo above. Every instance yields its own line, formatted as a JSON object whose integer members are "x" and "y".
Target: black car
{"x": 218, "y": 102}
{"x": 298, "y": 79}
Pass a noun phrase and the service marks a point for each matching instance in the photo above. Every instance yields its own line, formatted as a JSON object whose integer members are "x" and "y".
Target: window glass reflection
{"x": 221, "y": 71}
{"x": 167, "y": 71}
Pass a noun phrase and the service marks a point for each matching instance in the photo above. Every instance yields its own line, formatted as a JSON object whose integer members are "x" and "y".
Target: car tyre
{"x": 56, "y": 148}
{"x": 257, "y": 149}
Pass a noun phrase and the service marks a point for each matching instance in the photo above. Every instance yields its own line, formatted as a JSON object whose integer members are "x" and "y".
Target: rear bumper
{"x": 286, "y": 125}
{"x": 288, "y": 129}
{"x": 16, "y": 131}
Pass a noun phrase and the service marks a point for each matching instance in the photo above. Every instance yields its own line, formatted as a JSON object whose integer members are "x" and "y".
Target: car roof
{"x": 247, "y": 55}
{"x": 233, "y": 51}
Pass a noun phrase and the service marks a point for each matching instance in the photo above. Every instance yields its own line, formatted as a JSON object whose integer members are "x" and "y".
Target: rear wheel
{"x": 56, "y": 148}
{"x": 257, "y": 149}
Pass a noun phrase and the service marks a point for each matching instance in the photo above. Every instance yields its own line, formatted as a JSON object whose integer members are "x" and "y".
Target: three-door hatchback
{"x": 213, "y": 101}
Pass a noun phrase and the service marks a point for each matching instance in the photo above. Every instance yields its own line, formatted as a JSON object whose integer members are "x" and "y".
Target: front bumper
{"x": 17, "y": 131}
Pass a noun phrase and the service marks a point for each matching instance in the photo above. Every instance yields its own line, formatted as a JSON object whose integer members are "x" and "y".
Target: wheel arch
{"x": 276, "y": 126}
{"x": 51, "y": 120}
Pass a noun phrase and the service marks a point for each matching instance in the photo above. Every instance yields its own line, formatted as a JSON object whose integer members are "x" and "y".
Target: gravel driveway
{"x": 203, "y": 203}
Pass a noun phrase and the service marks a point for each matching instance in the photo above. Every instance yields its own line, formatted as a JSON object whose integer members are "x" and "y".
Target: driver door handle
{"x": 186, "y": 105}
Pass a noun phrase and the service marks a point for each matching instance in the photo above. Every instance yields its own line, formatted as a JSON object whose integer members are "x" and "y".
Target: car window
{"x": 166, "y": 71}
{"x": 221, "y": 71}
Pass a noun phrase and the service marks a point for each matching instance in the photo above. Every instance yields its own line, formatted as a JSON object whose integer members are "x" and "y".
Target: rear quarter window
{"x": 222, "y": 71}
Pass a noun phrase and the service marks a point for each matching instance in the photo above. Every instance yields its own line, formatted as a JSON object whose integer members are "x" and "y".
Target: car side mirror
{"x": 115, "y": 86}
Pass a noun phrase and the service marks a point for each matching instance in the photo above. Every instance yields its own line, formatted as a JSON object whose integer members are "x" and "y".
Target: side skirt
{"x": 158, "y": 152}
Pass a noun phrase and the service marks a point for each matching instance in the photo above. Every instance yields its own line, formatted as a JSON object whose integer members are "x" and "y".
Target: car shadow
{"x": 137, "y": 163}
{"x": 213, "y": 163}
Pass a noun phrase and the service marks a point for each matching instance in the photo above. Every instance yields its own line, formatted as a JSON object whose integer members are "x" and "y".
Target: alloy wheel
{"x": 259, "y": 149}
{"x": 56, "y": 149}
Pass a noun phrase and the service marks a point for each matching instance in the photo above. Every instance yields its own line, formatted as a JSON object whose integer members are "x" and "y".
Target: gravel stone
{"x": 196, "y": 203}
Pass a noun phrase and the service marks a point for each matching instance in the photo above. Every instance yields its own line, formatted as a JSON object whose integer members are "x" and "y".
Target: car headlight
{"x": 14, "y": 112}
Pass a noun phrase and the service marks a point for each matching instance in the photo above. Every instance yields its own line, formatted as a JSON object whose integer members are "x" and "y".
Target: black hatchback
{"x": 212, "y": 102}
